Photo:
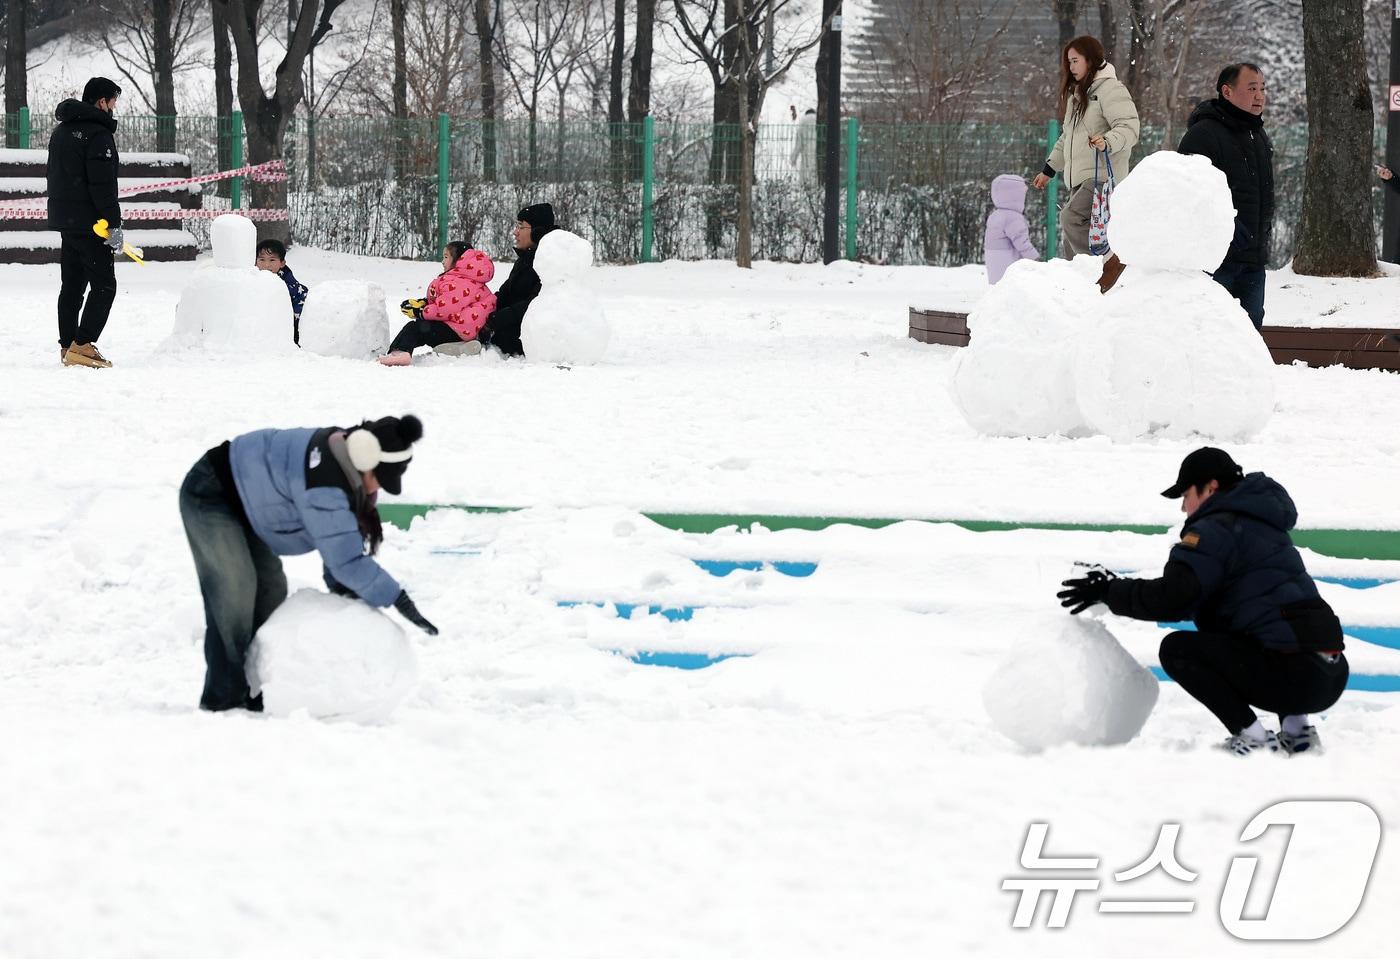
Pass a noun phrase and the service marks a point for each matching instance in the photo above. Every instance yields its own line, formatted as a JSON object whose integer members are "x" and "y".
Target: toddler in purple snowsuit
{"x": 1008, "y": 236}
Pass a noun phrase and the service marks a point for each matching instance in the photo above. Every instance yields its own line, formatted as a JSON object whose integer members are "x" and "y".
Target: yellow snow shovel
{"x": 100, "y": 228}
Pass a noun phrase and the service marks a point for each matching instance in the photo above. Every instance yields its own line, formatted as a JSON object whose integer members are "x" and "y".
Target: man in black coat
{"x": 1229, "y": 131}
{"x": 82, "y": 174}
{"x": 502, "y": 329}
{"x": 1264, "y": 636}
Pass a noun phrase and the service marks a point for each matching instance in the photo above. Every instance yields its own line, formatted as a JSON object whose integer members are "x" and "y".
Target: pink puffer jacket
{"x": 460, "y": 298}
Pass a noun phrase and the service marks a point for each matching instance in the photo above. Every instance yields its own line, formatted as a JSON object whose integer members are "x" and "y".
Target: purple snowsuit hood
{"x": 1009, "y": 192}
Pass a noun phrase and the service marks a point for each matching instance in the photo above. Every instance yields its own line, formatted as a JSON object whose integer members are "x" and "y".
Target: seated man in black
{"x": 502, "y": 329}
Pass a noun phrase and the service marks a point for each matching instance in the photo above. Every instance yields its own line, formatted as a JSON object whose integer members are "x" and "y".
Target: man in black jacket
{"x": 502, "y": 329}
{"x": 82, "y": 174}
{"x": 1229, "y": 131}
{"x": 1264, "y": 636}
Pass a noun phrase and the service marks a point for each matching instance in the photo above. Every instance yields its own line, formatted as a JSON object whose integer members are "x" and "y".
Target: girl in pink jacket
{"x": 455, "y": 309}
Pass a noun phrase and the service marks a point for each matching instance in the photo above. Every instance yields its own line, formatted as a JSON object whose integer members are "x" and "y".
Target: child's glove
{"x": 413, "y": 309}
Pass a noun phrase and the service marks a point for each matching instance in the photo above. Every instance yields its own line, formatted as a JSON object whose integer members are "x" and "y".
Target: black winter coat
{"x": 82, "y": 169}
{"x": 512, "y": 299}
{"x": 1245, "y": 575}
{"x": 1235, "y": 143}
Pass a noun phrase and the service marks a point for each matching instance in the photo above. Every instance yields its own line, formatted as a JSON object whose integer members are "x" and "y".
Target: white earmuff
{"x": 365, "y": 451}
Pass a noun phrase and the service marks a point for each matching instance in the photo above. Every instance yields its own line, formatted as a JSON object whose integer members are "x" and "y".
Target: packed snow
{"x": 1069, "y": 681}
{"x": 835, "y": 788}
{"x": 333, "y": 658}
{"x": 229, "y": 304}
{"x": 1174, "y": 213}
{"x": 345, "y": 318}
{"x": 566, "y": 322}
{"x": 235, "y": 241}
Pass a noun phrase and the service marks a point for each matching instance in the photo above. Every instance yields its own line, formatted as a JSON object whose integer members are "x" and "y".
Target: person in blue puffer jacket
{"x": 1264, "y": 636}
{"x": 273, "y": 493}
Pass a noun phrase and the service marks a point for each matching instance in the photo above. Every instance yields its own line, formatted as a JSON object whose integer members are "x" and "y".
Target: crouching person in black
{"x": 1266, "y": 638}
{"x": 273, "y": 493}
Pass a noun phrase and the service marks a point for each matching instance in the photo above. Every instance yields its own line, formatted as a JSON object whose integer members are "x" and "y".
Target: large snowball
{"x": 334, "y": 657}
{"x": 1015, "y": 377}
{"x": 562, "y": 256}
{"x": 244, "y": 309}
{"x": 235, "y": 241}
{"x": 1174, "y": 212}
{"x": 1074, "y": 685}
{"x": 1175, "y": 357}
{"x": 565, "y": 324}
{"x": 345, "y": 318}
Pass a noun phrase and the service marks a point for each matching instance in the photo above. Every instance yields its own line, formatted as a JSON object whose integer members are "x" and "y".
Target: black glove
{"x": 410, "y": 612}
{"x": 1085, "y": 591}
{"x": 115, "y": 238}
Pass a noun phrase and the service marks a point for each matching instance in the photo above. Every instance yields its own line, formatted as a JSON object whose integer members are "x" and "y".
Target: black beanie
{"x": 540, "y": 216}
{"x": 395, "y": 434}
{"x": 100, "y": 88}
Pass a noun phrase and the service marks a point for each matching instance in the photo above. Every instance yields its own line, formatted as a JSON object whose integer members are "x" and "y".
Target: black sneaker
{"x": 1304, "y": 741}
{"x": 1243, "y": 745}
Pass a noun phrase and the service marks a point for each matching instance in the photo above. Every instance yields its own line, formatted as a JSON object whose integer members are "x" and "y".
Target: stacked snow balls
{"x": 565, "y": 323}
{"x": 1166, "y": 352}
{"x": 1078, "y": 687}
{"x": 345, "y": 318}
{"x": 333, "y": 658}
{"x": 232, "y": 305}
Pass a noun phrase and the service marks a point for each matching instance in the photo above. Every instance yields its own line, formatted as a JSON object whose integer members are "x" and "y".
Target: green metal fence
{"x": 910, "y": 193}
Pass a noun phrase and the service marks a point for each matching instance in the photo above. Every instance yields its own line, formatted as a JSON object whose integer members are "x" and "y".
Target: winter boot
{"x": 1304, "y": 741}
{"x": 85, "y": 354}
{"x": 463, "y": 348}
{"x": 1242, "y": 745}
{"x": 396, "y": 358}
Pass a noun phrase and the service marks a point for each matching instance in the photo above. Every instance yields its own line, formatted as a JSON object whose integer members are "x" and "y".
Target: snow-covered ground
{"x": 836, "y": 789}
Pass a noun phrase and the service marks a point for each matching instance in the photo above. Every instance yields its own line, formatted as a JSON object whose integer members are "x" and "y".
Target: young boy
{"x": 272, "y": 257}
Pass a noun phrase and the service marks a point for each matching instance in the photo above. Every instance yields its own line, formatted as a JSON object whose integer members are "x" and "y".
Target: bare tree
{"x": 1066, "y": 16}
{"x": 223, "y": 87}
{"x": 487, "y": 17}
{"x": 639, "y": 88}
{"x": 619, "y": 50}
{"x": 532, "y": 29}
{"x": 16, "y": 62}
{"x": 267, "y": 114}
{"x": 1108, "y": 28}
{"x": 435, "y": 75}
{"x": 709, "y": 30}
{"x": 587, "y": 31}
{"x": 1336, "y": 233}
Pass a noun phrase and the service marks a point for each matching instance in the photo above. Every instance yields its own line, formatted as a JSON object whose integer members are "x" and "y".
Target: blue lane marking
{"x": 454, "y": 551}
{"x": 624, "y": 610}
{"x": 1354, "y": 582}
{"x": 681, "y": 660}
{"x": 1387, "y": 636}
{"x": 1361, "y": 682}
{"x": 723, "y": 567}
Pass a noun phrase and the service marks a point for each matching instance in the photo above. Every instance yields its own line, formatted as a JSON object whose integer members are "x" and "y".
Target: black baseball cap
{"x": 1202, "y": 466}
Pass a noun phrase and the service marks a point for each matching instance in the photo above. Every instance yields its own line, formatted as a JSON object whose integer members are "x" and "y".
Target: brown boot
{"x": 85, "y": 354}
{"x": 1112, "y": 270}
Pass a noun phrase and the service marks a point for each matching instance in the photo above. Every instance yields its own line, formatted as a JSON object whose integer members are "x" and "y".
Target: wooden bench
{"x": 1353, "y": 347}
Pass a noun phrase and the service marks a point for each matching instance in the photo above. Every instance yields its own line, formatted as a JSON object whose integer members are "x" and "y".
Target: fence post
{"x": 648, "y": 171}
{"x": 1052, "y": 197}
{"x": 852, "y": 138}
{"x": 24, "y": 128}
{"x": 235, "y": 153}
{"x": 444, "y": 169}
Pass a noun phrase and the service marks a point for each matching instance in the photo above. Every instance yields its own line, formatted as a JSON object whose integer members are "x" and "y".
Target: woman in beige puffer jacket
{"x": 1099, "y": 118}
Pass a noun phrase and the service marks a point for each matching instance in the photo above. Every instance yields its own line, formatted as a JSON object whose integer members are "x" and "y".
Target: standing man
{"x": 1229, "y": 131}
{"x": 1265, "y": 637}
{"x": 82, "y": 190}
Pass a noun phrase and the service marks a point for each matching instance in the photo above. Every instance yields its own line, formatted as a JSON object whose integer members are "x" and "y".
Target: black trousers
{"x": 87, "y": 267}
{"x": 416, "y": 333}
{"x": 240, "y": 579}
{"x": 1229, "y": 674}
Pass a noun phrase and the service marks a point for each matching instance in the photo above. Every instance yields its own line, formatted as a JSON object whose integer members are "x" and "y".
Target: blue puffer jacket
{"x": 269, "y": 469}
{"x": 1252, "y": 578}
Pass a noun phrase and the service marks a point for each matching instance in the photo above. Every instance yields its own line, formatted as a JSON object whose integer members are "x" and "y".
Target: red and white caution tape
{"x": 272, "y": 171}
{"x": 40, "y": 213}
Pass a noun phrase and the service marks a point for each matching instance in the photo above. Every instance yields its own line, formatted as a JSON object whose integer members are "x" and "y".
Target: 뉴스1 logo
{"x": 1331, "y": 841}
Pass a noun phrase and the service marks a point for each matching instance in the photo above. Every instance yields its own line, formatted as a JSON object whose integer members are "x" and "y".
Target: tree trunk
{"x": 616, "y": 135}
{"x": 16, "y": 62}
{"x": 1108, "y": 29}
{"x": 1336, "y": 236}
{"x": 823, "y": 65}
{"x": 1137, "y": 48}
{"x": 163, "y": 64}
{"x": 398, "y": 15}
{"x": 1066, "y": 15}
{"x": 743, "y": 246}
{"x": 639, "y": 89}
{"x": 223, "y": 90}
{"x": 485, "y": 36}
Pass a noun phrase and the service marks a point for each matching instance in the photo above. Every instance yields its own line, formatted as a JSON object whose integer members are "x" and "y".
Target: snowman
{"x": 232, "y": 305}
{"x": 1166, "y": 352}
{"x": 565, "y": 323}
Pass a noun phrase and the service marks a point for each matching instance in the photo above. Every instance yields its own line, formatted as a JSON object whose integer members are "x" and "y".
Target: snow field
{"x": 839, "y": 790}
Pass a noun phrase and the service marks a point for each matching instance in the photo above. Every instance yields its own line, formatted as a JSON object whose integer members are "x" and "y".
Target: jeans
{"x": 86, "y": 266}
{"x": 1246, "y": 284}
{"x": 1228, "y": 674}
{"x": 240, "y": 579}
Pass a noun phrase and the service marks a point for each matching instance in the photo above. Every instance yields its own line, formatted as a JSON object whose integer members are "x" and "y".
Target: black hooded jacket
{"x": 1235, "y": 143}
{"x": 82, "y": 169}
{"x": 513, "y": 298}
